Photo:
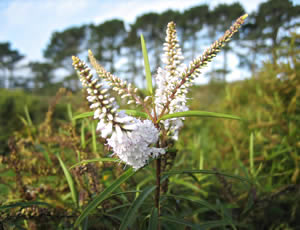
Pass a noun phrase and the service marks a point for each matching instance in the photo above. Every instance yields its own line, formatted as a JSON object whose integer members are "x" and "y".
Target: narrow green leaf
{"x": 102, "y": 196}
{"x": 214, "y": 224}
{"x": 69, "y": 180}
{"x": 251, "y": 156}
{"x": 23, "y": 204}
{"x": 135, "y": 113}
{"x": 85, "y": 223}
{"x": 23, "y": 120}
{"x": 196, "y": 113}
{"x": 250, "y": 201}
{"x": 118, "y": 207}
{"x": 201, "y": 202}
{"x": 177, "y": 220}
{"x": 143, "y": 182}
{"x": 147, "y": 66}
{"x": 206, "y": 225}
{"x": 28, "y": 118}
{"x": 83, "y": 115}
{"x": 95, "y": 160}
{"x": 189, "y": 185}
{"x": 70, "y": 114}
{"x": 82, "y": 135}
{"x": 122, "y": 195}
{"x": 130, "y": 112}
{"x": 188, "y": 171}
{"x": 153, "y": 221}
{"x": 94, "y": 141}
{"x": 131, "y": 213}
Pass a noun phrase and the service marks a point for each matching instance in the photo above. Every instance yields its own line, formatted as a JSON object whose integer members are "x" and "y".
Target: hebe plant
{"x": 137, "y": 137}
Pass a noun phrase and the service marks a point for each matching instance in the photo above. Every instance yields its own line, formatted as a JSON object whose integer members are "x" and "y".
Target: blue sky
{"x": 28, "y": 24}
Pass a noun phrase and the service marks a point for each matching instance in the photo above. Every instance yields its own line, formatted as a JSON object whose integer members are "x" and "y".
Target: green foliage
{"x": 239, "y": 175}
{"x": 237, "y": 171}
{"x": 103, "y": 195}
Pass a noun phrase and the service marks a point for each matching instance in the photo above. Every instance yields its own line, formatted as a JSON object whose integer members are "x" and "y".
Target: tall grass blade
{"x": 153, "y": 221}
{"x": 82, "y": 135}
{"x": 27, "y": 115}
{"x": 147, "y": 66}
{"x": 70, "y": 114}
{"x": 69, "y": 180}
{"x": 131, "y": 213}
{"x": 94, "y": 141}
{"x": 251, "y": 154}
{"x": 102, "y": 196}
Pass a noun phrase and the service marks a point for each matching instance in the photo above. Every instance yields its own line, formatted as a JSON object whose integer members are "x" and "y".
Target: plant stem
{"x": 157, "y": 194}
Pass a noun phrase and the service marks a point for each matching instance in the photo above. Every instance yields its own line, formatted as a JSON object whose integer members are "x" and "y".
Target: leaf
{"x": 143, "y": 182}
{"x": 135, "y": 113}
{"x": 196, "y": 113}
{"x": 83, "y": 115}
{"x": 131, "y": 213}
{"x": 130, "y": 112}
{"x": 102, "y": 196}
{"x": 82, "y": 135}
{"x": 205, "y": 226}
{"x": 23, "y": 204}
{"x": 147, "y": 66}
{"x": 180, "y": 221}
{"x": 189, "y": 185}
{"x": 69, "y": 180}
{"x": 251, "y": 153}
{"x": 28, "y": 118}
{"x": 70, "y": 114}
{"x": 188, "y": 171}
{"x": 118, "y": 207}
{"x": 95, "y": 160}
{"x": 94, "y": 141}
{"x": 153, "y": 221}
{"x": 201, "y": 202}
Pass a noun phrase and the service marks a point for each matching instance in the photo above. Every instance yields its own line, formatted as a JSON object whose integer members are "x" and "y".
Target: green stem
{"x": 157, "y": 194}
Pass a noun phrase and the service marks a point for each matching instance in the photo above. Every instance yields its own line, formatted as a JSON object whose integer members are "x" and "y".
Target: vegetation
{"x": 220, "y": 174}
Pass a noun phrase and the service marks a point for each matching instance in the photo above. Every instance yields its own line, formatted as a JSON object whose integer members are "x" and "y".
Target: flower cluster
{"x": 133, "y": 147}
{"x": 124, "y": 90}
{"x": 167, "y": 80}
{"x": 130, "y": 138}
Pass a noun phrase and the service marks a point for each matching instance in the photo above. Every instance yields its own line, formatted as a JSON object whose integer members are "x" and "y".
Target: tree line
{"x": 117, "y": 45}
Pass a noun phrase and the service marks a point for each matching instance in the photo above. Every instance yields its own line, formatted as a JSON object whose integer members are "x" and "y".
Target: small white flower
{"x": 167, "y": 79}
{"x": 133, "y": 147}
